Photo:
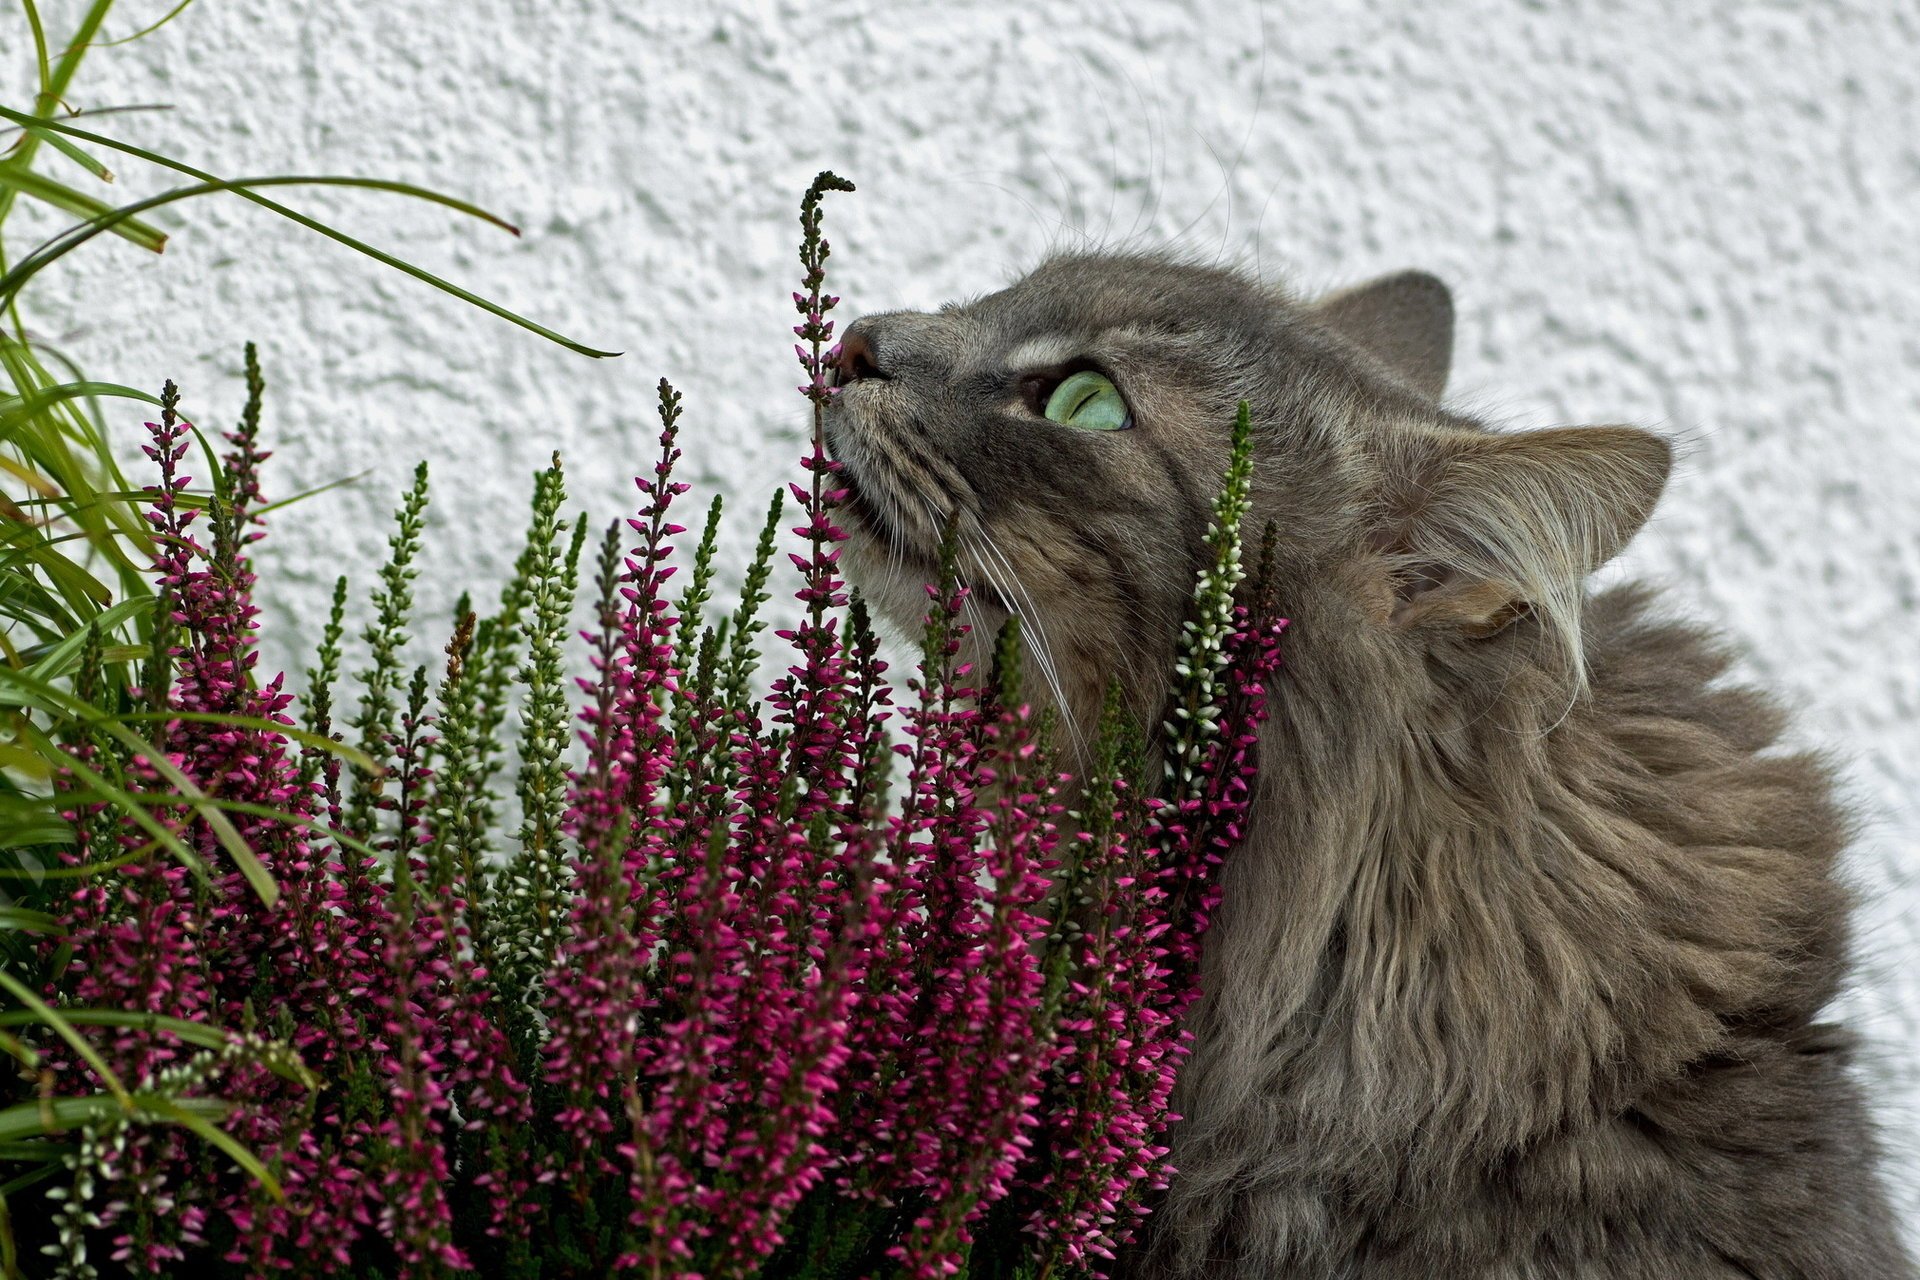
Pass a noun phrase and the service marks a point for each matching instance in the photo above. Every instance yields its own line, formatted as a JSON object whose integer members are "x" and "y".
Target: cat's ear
{"x": 1404, "y": 320}
{"x": 1480, "y": 528}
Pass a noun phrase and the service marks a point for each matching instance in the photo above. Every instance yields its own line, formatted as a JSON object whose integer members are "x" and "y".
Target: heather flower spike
{"x": 385, "y": 636}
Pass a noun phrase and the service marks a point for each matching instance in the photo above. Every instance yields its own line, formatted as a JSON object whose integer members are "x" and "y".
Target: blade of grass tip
{"x": 243, "y": 189}
{"x": 315, "y": 492}
{"x": 85, "y": 159}
{"x": 47, "y": 1016}
{"x": 220, "y": 1138}
{"x": 144, "y": 32}
{"x": 212, "y": 450}
{"x": 79, "y": 203}
{"x": 65, "y": 243}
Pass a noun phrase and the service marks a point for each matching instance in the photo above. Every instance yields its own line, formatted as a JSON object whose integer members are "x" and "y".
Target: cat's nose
{"x": 858, "y": 359}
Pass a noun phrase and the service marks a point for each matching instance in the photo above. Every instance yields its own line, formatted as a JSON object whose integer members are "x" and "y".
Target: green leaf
{"x": 39, "y": 695}
{"x": 58, "y": 660}
{"x": 57, "y": 1115}
{"x": 314, "y": 492}
{"x": 32, "y": 1151}
{"x": 41, "y": 62}
{"x": 100, "y": 788}
{"x": 85, "y": 159}
{"x": 79, "y": 203}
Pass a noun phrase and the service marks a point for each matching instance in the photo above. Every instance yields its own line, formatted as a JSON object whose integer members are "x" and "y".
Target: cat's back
{"x": 1755, "y": 1149}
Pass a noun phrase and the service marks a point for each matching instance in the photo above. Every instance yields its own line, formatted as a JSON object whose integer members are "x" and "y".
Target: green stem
{"x": 244, "y": 189}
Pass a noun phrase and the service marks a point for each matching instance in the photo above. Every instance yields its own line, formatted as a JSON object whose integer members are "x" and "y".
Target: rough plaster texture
{"x": 1702, "y": 221}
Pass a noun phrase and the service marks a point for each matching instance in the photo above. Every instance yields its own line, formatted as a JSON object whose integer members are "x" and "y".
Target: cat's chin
{"x": 866, "y": 522}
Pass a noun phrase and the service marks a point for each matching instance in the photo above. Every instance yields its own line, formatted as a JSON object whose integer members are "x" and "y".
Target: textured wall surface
{"x": 1705, "y": 224}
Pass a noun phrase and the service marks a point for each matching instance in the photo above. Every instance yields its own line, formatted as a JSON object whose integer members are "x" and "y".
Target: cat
{"x": 1519, "y": 972}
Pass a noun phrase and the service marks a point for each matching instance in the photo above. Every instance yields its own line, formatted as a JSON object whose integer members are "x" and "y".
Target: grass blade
{"x": 56, "y": 1115}
{"x": 79, "y": 203}
{"x": 245, "y": 190}
{"x": 15, "y": 410}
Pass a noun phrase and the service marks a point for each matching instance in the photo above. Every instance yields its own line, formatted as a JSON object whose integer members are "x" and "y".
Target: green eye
{"x": 1088, "y": 399}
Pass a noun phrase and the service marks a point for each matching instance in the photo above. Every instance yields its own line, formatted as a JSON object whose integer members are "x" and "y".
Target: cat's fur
{"x": 1519, "y": 971}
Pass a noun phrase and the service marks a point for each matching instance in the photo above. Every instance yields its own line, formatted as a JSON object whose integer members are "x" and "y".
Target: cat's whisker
{"x": 896, "y": 557}
{"x": 1042, "y": 648}
{"x": 1042, "y": 652}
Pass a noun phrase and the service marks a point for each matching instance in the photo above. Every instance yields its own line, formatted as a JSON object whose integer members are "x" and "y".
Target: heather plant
{"x": 665, "y": 968}
{"x": 717, "y": 1007}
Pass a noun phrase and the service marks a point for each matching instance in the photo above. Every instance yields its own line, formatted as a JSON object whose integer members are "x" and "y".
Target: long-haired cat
{"x": 1519, "y": 971}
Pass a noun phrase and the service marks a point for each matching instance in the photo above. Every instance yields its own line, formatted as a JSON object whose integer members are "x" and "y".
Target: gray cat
{"x": 1519, "y": 971}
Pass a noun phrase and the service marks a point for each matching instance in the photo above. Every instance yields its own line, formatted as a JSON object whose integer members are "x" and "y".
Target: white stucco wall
{"x": 1705, "y": 224}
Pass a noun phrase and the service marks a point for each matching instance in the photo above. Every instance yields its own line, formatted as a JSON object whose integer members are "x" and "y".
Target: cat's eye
{"x": 1088, "y": 399}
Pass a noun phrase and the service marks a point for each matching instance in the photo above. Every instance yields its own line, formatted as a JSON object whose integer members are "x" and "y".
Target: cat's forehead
{"x": 1074, "y": 298}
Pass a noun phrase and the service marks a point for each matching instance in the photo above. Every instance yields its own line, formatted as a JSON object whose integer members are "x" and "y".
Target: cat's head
{"x": 1075, "y": 427}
